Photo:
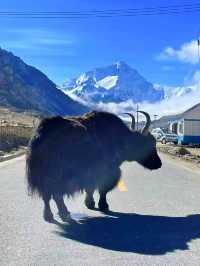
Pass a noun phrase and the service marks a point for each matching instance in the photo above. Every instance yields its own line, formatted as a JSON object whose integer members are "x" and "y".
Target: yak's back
{"x": 103, "y": 124}
{"x": 57, "y": 130}
{"x": 97, "y": 128}
{"x": 107, "y": 131}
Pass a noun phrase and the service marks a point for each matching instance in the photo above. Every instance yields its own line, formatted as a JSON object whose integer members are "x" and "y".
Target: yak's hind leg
{"x": 89, "y": 200}
{"x": 111, "y": 183}
{"x": 47, "y": 214}
{"x": 62, "y": 209}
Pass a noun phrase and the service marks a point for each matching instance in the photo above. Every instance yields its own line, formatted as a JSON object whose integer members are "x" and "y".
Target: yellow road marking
{"x": 122, "y": 186}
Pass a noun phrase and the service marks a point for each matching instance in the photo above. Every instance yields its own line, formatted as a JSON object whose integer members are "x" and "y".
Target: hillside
{"x": 25, "y": 88}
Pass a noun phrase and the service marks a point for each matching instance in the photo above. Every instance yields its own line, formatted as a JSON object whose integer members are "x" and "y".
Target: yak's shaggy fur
{"x": 68, "y": 155}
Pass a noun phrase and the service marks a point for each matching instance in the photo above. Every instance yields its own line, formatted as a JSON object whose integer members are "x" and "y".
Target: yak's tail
{"x": 31, "y": 184}
{"x": 34, "y": 184}
{"x": 36, "y": 164}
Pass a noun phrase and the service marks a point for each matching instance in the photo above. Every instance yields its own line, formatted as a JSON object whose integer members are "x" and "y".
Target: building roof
{"x": 192, "y": 113}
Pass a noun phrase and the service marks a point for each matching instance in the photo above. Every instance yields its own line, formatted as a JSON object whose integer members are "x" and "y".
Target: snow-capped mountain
{"x": 115, "y": 83}
{"x": 171, "y": 92}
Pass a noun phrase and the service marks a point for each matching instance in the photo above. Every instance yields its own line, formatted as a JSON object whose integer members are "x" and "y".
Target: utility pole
{"x": 155, "y": 117}
{"x": 198, "y": 47}
{"x": 137, "y": 118}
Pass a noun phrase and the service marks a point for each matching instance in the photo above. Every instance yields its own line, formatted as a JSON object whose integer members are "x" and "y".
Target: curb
{"x": 12, "y": 156}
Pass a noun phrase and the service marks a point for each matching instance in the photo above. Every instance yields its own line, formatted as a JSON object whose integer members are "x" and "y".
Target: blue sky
{"x": 62, "y": 49}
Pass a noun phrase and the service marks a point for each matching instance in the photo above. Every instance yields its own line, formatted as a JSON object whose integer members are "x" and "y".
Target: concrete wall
{"x": 193, "y": 113}
{"x": 192, "y": 128}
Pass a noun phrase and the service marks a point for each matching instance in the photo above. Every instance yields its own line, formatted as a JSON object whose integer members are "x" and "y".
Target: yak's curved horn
{"x": 145, "y": 129}
{"x": 132, "y": 127}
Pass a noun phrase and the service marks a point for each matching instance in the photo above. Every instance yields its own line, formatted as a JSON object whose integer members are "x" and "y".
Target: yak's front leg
{"x": 89, "y": 199}
{"x": 103, "y": 205}
{"x": 108, "y": 186}
{"x": 62, "y": 209}
{"x": 47, "y": 214}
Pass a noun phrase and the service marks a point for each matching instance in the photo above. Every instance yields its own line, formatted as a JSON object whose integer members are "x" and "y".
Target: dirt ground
{"x": 184, "y": 153}
{"x": 12, "y": 117}
{"x": 192, "y": 150}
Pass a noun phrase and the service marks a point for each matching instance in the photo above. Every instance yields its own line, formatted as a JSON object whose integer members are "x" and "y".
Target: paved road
{"x": 155, "y": 221}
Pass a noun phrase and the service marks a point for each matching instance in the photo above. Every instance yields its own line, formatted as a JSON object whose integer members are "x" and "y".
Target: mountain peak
{"x": 114, "y": 83}
{"x": 121, "y": 64}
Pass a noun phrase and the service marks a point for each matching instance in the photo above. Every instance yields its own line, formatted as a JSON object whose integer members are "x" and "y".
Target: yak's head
{"x": 142, "y": 145}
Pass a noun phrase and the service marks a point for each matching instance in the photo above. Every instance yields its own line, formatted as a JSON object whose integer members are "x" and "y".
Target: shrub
{"x": 183, "y": 151}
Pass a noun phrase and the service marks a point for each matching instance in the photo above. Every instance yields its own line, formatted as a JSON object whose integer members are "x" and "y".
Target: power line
{"x": 108, "y": 10}
{"x": 148, "y": 11}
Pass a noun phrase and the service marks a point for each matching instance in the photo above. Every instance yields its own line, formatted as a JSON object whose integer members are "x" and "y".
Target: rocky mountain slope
{"x": 24, "y": 87}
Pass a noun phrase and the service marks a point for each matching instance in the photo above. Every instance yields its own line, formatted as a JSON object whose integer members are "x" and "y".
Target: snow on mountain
{"x": 170, "y": 92}
{"x": 176, "y": 92}
{"x": 115, "y": 83}
{"x": 177, "y": 99}
{"x": 108, "y": 82}
{"x": 69, "y": 83}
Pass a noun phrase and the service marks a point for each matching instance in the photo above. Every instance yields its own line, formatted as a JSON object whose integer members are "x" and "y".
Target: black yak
{"x": 84, "y": 153}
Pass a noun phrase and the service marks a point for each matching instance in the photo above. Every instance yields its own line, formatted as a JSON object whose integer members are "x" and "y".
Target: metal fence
{"x": 13, "y": 136}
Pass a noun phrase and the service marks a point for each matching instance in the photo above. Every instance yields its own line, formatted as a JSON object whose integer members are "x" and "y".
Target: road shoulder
{"x": 180, "y": 162}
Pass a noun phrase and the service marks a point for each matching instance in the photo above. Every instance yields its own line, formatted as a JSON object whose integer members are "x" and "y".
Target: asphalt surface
{"x": 155, "y": 220}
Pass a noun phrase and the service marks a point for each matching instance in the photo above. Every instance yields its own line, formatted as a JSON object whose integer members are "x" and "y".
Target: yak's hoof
{"x": 103, "y": 206}
{"x": 90, "y": 204}
{"x": 48, "y": 217}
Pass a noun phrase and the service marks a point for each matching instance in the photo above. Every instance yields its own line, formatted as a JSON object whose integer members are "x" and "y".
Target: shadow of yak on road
{"x": 127, "y": 232}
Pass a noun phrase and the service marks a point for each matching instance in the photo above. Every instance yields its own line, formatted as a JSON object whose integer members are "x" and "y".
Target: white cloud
{"x": 173, "y": 105}
{"x": 54, "y": 41}
{"x": 34, "y": 39}
{"x": 196, "y": 78}
{"x": 187, "y": 53}
{"x": 117, "y": 108}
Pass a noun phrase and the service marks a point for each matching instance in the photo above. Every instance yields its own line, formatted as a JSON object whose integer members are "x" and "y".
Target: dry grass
{"x": 16, "y": 128}
{"x": 186, "y": 153}
{"x": 194, "y": 151}
{"x": 181, "y": 150}
{"x": 15, "y": 117}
